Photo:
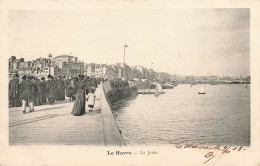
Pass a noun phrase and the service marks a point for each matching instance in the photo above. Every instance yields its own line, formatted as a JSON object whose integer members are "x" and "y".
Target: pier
{"x": 54, "y": 124}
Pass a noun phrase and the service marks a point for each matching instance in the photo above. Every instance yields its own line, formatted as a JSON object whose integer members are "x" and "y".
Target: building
{"x": 90, "y": 69}
{"x": 67, "y": 65}
{"x": 100, "y": 70}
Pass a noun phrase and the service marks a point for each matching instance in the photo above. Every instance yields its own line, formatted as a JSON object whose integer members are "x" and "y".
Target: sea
{"x": 220, "y": 117}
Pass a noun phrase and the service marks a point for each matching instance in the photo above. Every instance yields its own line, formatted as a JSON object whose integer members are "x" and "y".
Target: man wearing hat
{"x": 59, "y": 89}
{"x": 14, "y": 91}
{"x": 37, "y": 91}
{"x": 26, "y": 91}
{"x": 50, "y": 86}
{"x": 42, "y": 93}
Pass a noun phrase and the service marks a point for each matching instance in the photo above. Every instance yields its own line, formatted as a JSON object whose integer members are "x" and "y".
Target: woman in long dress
{"x": 79, "y": 105}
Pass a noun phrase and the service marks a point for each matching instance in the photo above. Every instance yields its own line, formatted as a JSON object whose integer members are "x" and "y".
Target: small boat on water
{"x": 202, "y": 91}
{"x": 168, "y": 85}
{"x": 158, "y": 89}
{"x": 194, "y": 83}
{"x": 213, "y": 83}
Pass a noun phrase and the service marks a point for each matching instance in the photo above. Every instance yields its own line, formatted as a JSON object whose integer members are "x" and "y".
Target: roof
{"x": 63, "y": 56}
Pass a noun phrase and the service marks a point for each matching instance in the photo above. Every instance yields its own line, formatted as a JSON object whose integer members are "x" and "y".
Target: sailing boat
{"x": 158, "y": 89}
{"x": 202, "y": 91}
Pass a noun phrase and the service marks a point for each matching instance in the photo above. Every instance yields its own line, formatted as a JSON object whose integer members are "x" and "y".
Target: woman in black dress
{"x": 80, "y": 101}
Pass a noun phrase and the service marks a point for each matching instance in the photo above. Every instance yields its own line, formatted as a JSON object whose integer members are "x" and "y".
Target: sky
{"x": 182, "y": 41}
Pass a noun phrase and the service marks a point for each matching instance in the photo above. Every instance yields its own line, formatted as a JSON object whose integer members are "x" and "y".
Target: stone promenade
{"x": 54, "y": 124}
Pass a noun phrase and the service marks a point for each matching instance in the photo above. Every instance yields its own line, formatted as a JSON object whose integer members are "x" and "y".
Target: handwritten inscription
{"x": 209, "y": 155}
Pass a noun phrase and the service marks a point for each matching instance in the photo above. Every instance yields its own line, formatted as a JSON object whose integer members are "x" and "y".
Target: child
{"x": 91, "y": 101}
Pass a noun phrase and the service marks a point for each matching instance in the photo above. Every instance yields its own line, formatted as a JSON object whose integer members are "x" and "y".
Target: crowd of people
{"x": 32, "y": 91}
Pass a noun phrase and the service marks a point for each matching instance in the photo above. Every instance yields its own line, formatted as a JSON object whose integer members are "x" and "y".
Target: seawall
{"x": 116, "y": 91}
{"x": 111, "y": 132}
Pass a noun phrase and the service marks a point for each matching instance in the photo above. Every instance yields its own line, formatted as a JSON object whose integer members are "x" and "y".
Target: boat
{"x": 168, "y": 85}
{"x": 194, "y": 83}
{"x": 202, "y": 91}
{"x": 158, "y": 89}
{"x": 213, "y": 83}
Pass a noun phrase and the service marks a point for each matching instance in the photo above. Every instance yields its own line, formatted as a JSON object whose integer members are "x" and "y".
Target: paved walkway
{"x": 54, "y": 124}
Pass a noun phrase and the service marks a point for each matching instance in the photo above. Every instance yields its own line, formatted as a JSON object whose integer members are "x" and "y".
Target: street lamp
{"x": 124, "y": 59}
{"x": 49, "y": 63}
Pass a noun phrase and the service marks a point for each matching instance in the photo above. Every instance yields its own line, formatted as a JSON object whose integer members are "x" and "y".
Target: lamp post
{"x": 49, "y": 63}
{"x": 124, "y": 60}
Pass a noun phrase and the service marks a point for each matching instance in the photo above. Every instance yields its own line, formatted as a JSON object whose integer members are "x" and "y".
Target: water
{"x": 222, "y": 116}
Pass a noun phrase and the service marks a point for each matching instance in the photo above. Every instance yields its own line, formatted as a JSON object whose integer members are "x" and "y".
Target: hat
{"x": 24, "y": 77}
{"x": 16, "y": 75}
{"x": 43, "y": 78}
{"x": 81, "y": 76}
{"x": 49, "y": 76}
{"x": 29, "y": 77}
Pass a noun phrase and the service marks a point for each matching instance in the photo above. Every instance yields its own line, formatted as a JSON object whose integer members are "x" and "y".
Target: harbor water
{"x": 221, "y": 116}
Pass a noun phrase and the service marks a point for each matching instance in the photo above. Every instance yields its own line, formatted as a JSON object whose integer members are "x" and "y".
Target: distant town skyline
{"x": 185, "y": 42}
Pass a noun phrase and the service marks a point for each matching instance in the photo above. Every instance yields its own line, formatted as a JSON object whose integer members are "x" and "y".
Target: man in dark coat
{"x": 59, "y": 89}
{"x": 42, "y": 93}
{"x": 92, "y": 84}
{"x": 67, "y": 83}
{"x": 50, "y": 86}
{"x": 14, "y": 91}
{"x": 26, "y": 91}
{"x": 37, "y": 91}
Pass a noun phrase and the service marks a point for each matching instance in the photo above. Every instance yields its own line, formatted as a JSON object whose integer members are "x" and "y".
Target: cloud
{"x": 207, "y": 38}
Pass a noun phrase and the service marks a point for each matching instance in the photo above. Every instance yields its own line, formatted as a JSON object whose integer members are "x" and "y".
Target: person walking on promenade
{"x": 42, "y": 94}
{"x": 79, "y": 104}
{"x": 37, "y": 91}
{"x": 91, "y": 101}
{"x": 60, "y": 95}
{"x": 92, "y": 84}
{"x": 26, "y": 91}
{"x": 87, "y": 84}
{"x": 50, "y": 86}
{"x": 14, "y": 91}
{"x": 66, "y": 84}
{"x": 71, "y": 91}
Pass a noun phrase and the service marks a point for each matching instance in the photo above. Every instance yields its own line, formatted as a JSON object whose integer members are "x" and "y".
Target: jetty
{"x": 54, "y": 124}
